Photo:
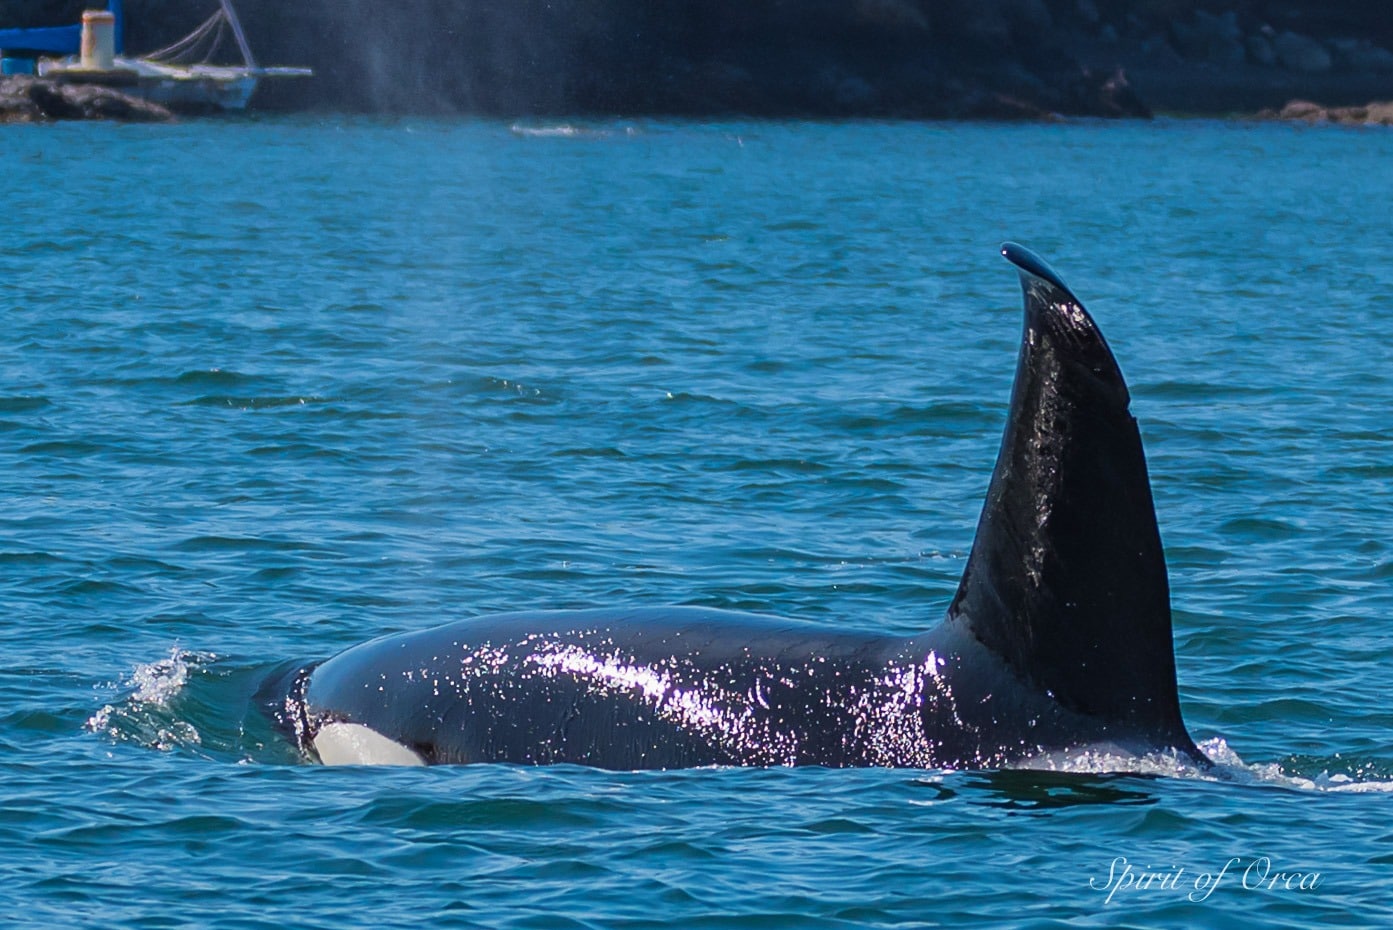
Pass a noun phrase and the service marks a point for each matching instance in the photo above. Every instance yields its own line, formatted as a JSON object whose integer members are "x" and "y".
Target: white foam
{"x": 1230, "y": 767}
{"x": 564, "y": 131}
{"x": 1227, "y": 766}
{"x": 355, "y": 744}
{"x": 154, "y": 685}
{"x": 157, "y": 682}
{"x": 1107, "y": 759}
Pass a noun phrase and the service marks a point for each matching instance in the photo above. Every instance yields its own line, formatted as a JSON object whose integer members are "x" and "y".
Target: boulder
{"x": 893, "y": 14}
{"x": 1380, "y": 114}
{"x": 1108, "y": 94}
{"x": 1206, "y": 37}
{"x": 1260, "y": 50}
{"x": 849, "y": 92}
{"x": 1361, "y": 56}
{"x": 1305, "y": 111}
{"x": 28, "y": 99}
{"x": 1029, "y": 15}
{"x": 1301, "y": 53}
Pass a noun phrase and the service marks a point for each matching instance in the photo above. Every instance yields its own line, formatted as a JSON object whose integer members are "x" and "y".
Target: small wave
{"x": 572, "y": 131}
{"x": 22, "y": 403}
{"x": 560, "y": 131}
{"x": 251, "y": 403}
{"x": 143, "y": 714}
{"x": 1230, "y": 767}
{"x": 210, "y": 377}
{"x": 69, "y": 448}
{"x": 1227, "y": 767}
{"x": 197, "y": 703}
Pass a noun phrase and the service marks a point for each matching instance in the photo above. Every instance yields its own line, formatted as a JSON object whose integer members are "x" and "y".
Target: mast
{"x": 236, "y": 24}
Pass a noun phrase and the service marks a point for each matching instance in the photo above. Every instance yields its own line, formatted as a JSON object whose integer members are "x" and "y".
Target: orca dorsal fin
{"x": 1067, "y": 579}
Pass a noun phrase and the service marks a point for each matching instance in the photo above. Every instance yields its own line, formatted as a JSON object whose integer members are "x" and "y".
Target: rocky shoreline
{"x": 936, "y": 59}
{"x": 27, "y": 99}
{"x": 1304, "y": 111}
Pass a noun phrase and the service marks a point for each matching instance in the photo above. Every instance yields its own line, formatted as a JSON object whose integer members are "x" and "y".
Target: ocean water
{"x": 272, "y": 387}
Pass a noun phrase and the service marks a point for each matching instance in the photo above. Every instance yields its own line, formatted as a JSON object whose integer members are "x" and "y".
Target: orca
{"x": 1057, "y": 641}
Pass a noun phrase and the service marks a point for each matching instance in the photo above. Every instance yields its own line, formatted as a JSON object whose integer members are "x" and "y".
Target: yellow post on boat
{"x": 98, "y": 40}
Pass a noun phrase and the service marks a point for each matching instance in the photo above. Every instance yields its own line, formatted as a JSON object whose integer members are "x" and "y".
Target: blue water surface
{"x": 272, "y": 387}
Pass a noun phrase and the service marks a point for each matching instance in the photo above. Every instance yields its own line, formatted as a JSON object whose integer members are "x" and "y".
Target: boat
{"x": 182, "y": 76}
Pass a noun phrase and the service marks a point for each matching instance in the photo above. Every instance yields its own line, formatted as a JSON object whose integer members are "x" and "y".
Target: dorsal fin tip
{"x": 1029, "y": 263}
{"x": 1052, "y": 308}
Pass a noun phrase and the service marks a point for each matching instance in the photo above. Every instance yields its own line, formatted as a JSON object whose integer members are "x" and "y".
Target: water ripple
{"x": 351, "y": 377}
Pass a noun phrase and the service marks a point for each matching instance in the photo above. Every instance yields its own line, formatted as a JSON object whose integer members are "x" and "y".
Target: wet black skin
{"x": 1059, "y": 637}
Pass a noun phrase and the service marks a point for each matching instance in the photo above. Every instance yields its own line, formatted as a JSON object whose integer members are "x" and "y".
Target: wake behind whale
{"x": 1058, "y": 640}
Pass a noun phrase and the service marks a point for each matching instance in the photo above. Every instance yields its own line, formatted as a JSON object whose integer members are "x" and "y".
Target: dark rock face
{"x": 1206, "y": 37}
{"x": 912, "y": 58}
{"x": 1301, "y": 53}
{"x": 889, "y": 58}
{"x": 27, "y": 99}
